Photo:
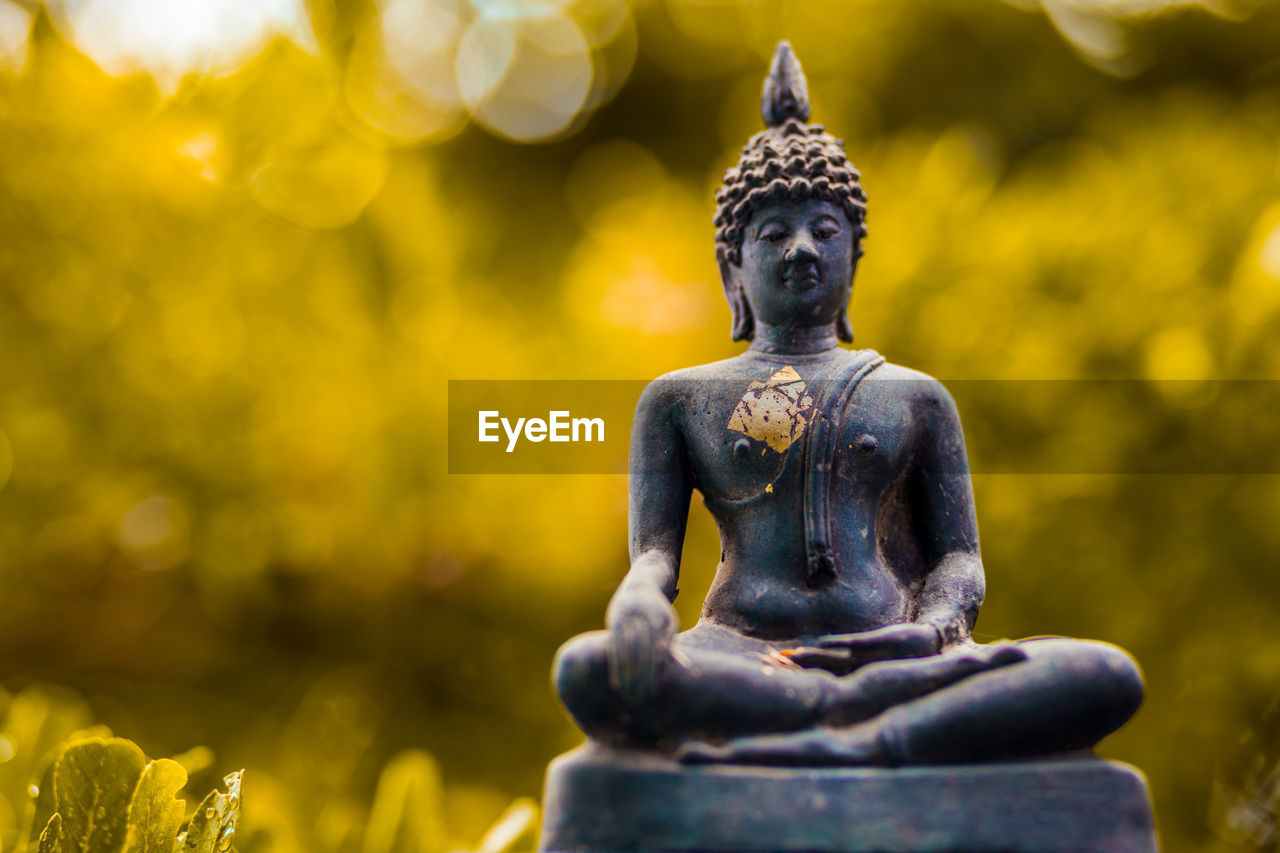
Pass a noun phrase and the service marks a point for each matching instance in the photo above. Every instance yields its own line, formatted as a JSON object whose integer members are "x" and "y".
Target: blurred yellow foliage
{"x": 236, "y": 274}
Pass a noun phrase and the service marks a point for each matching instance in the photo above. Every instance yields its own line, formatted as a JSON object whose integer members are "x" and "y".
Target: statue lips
{"x": 801, "y": 277}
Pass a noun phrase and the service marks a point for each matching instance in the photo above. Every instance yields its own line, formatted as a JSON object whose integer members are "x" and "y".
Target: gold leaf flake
{"x": 775, "y": 412}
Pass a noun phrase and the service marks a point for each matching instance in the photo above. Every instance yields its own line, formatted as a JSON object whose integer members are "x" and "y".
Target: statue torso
{"x": 744, "y": 422}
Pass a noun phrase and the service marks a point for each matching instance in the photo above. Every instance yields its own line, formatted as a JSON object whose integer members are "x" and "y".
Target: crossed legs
{"x": 971, "y": 704}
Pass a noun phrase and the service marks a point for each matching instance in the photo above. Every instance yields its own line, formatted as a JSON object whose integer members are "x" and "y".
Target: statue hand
{"x": 843, "y": 653}
{"x": 641, "y": 622}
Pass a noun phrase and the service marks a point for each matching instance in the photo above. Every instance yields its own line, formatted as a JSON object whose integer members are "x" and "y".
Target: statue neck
{"x": 792, "y": 340}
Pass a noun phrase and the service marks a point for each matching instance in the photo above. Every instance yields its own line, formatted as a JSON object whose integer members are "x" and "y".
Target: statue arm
{"x": 660, "y": 490}
{"x": 948, "y": 527}
{"x": 640, "y": 618}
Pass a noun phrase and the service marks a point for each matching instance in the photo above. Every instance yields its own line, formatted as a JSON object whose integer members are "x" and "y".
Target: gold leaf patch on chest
{"x": 775, "y": 412}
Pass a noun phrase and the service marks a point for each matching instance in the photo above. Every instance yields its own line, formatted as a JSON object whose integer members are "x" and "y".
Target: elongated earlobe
{"x": 744, "y": 323}
{"x": 844, "y": 328}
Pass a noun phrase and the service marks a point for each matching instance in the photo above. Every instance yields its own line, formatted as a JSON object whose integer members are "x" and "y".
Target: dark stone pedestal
{"x": 598, "y": 799}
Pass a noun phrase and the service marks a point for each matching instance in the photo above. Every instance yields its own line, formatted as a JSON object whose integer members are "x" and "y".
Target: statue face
{"x": 797, "y": 263}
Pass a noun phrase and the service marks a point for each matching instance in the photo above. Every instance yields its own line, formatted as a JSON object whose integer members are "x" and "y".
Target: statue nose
{"x": 801, "y": 249}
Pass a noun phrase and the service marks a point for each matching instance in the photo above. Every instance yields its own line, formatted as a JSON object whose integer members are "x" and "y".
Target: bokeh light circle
{"x": 400, "y": 78}
{"x": 419, "y": 40}
{"x": 524, "y": 73}
{"x": 170, "y": 40}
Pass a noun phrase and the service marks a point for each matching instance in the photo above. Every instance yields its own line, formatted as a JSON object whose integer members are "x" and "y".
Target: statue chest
{"x": 747, "y": 439}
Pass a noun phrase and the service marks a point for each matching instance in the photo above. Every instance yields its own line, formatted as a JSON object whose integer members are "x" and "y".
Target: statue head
{"x": 799, "y": 172}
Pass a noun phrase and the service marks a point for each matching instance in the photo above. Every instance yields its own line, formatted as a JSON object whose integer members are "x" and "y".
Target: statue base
{"x": 603, "y": 799}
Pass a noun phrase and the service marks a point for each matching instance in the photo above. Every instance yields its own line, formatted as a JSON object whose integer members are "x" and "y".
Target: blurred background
{"x": 244, "y": 244}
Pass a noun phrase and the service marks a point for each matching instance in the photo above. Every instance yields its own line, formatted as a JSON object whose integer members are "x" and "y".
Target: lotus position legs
{"x": 972, "y": 703}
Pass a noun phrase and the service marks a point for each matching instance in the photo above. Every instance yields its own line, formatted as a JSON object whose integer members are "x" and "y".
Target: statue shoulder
{"x": 689, "y": 383}
{"x": 664, "y": 398}
{"x": 925, "y": 394}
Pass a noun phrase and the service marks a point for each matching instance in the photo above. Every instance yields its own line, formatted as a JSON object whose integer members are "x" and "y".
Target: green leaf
{"x": 154, "y": 813}
{"x": 213, "y": 826}
{"x": 40, "y": 807}
{"x": 51, "y": 835}
{"x": 195, "y": 759}
{"x": 40, "y": 801}
{"x": 38, "y": 723}
{"x": 520, "y": 820}
{"x": 93, "y": 782}
{"x": 408, "y": 807}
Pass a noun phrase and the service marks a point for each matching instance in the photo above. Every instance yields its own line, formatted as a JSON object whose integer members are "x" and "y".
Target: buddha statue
{"x": 838, "y": 628}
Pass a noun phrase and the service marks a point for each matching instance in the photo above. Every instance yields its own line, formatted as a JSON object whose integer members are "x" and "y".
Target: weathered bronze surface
{"x": 837, "y": 631}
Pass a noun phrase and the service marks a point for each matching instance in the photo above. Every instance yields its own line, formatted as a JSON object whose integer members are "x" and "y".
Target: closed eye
{"x": 825, "y": 228}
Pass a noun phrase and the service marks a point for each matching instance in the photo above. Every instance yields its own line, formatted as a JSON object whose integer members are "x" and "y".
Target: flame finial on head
{"x": 786, "y": 94}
